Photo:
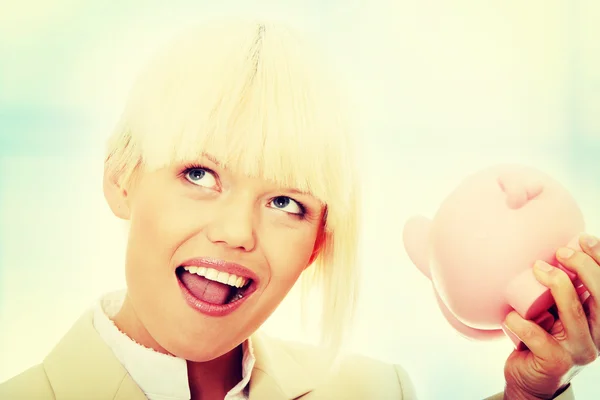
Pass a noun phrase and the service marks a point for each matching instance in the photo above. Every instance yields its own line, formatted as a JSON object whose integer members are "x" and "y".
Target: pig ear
{"x": 416, "y": 242}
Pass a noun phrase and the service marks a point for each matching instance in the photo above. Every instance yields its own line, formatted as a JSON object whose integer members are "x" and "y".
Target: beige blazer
{"x": 83, "y": 367}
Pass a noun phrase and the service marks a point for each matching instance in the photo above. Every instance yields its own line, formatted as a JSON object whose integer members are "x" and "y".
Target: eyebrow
{"x": 212, "y": 159}
{"x": 296, "y": 191}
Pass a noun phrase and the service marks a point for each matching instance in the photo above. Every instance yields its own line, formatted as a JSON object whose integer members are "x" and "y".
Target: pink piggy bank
{"x": 479, "y": 249}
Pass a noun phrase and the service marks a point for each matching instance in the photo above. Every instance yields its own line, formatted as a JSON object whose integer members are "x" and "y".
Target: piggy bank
{"x": 480, "y": 247}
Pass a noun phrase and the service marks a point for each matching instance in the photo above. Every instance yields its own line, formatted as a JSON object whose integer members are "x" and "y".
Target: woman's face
{"x": 203, "y": 217}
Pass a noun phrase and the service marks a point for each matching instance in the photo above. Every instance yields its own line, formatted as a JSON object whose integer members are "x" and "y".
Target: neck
{"x": 213, "y": 379}
{"x": 208, "y": 379}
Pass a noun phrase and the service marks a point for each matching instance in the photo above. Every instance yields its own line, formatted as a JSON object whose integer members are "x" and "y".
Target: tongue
{"x": 206, "y": 290}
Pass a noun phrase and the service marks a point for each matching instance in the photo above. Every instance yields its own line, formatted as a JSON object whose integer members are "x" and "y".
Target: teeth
{"x": 218, "y": 276}
{"x": 211, "y": 274}
{"x": 223, "y": 277}
{"x": 231, "y": 281}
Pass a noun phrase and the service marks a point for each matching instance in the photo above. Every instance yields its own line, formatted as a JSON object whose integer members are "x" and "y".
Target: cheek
{"x": 159, "y": 224}
{"x": 288, "y": 254}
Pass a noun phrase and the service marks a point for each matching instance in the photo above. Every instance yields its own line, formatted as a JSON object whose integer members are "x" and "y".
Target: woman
{"x": 234, "y": 168}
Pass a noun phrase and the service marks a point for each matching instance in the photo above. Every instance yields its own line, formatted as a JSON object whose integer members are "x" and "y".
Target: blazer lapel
{"x": 277, "y": 375}
{"x": 82, "y": 365}
{"x": 129, "y": 390}
{"x": 263, "y": 386}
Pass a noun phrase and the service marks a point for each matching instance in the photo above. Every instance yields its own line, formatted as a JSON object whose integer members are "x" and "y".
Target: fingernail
{"x": 542, "y": 266}
{"x": 590, "y": 240}
{"x": 565, "y": 252}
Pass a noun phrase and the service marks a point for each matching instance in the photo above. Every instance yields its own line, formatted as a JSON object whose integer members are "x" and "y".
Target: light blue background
{"x": 443, "y": 87}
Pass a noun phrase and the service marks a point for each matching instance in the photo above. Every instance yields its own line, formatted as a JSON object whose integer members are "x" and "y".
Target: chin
{"x": 193, "y": 344}
{"x": 194, "y": 353}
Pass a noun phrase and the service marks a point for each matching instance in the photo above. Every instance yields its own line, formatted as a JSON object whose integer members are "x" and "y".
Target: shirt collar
{"x": 159, "y": 376}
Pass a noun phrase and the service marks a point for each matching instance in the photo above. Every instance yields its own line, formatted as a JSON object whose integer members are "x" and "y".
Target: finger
{"x": 593, "y": 316}
{"x": 543, "y": 345}
{"x": 570, "y": 311}
{"x": 591, "y": 246}
{"x": 584, "y": 265}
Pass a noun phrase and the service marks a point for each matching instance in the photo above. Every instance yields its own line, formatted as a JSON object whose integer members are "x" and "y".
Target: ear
{"x": 416, "y": 242}
{"x": 115, "y": 196}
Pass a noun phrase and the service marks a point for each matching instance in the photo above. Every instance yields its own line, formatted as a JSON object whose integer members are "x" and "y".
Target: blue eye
{"x": 196, "y": 174}
{"x": 201, "y": 177}
{"x": 283, "y": 202}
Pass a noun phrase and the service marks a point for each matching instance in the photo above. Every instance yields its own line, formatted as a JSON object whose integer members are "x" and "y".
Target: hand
{"x": 553, "y": 358}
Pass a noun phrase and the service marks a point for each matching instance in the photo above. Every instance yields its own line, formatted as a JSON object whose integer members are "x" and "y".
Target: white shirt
{"x": 159, "y": 376}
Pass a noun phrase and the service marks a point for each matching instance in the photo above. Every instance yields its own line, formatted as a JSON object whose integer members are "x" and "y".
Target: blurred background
{"x": 444, "y": 88}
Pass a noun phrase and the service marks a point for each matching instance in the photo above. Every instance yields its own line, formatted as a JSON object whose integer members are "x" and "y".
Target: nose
{"x": 233, "y": 224}
{"x": 519, "y": 189}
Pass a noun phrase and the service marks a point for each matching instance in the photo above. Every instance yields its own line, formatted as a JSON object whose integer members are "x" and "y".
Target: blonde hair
{"x": 256, "y": 97}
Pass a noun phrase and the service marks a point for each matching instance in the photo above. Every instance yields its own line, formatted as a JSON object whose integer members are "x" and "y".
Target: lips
{"x": 215, "y": 287}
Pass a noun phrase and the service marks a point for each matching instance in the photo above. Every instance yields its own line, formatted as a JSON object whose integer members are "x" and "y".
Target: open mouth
{"x": 216, "y": 288}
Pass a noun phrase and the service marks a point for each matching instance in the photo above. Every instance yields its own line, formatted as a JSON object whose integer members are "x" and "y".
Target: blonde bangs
{"x": 256, "y": 98}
